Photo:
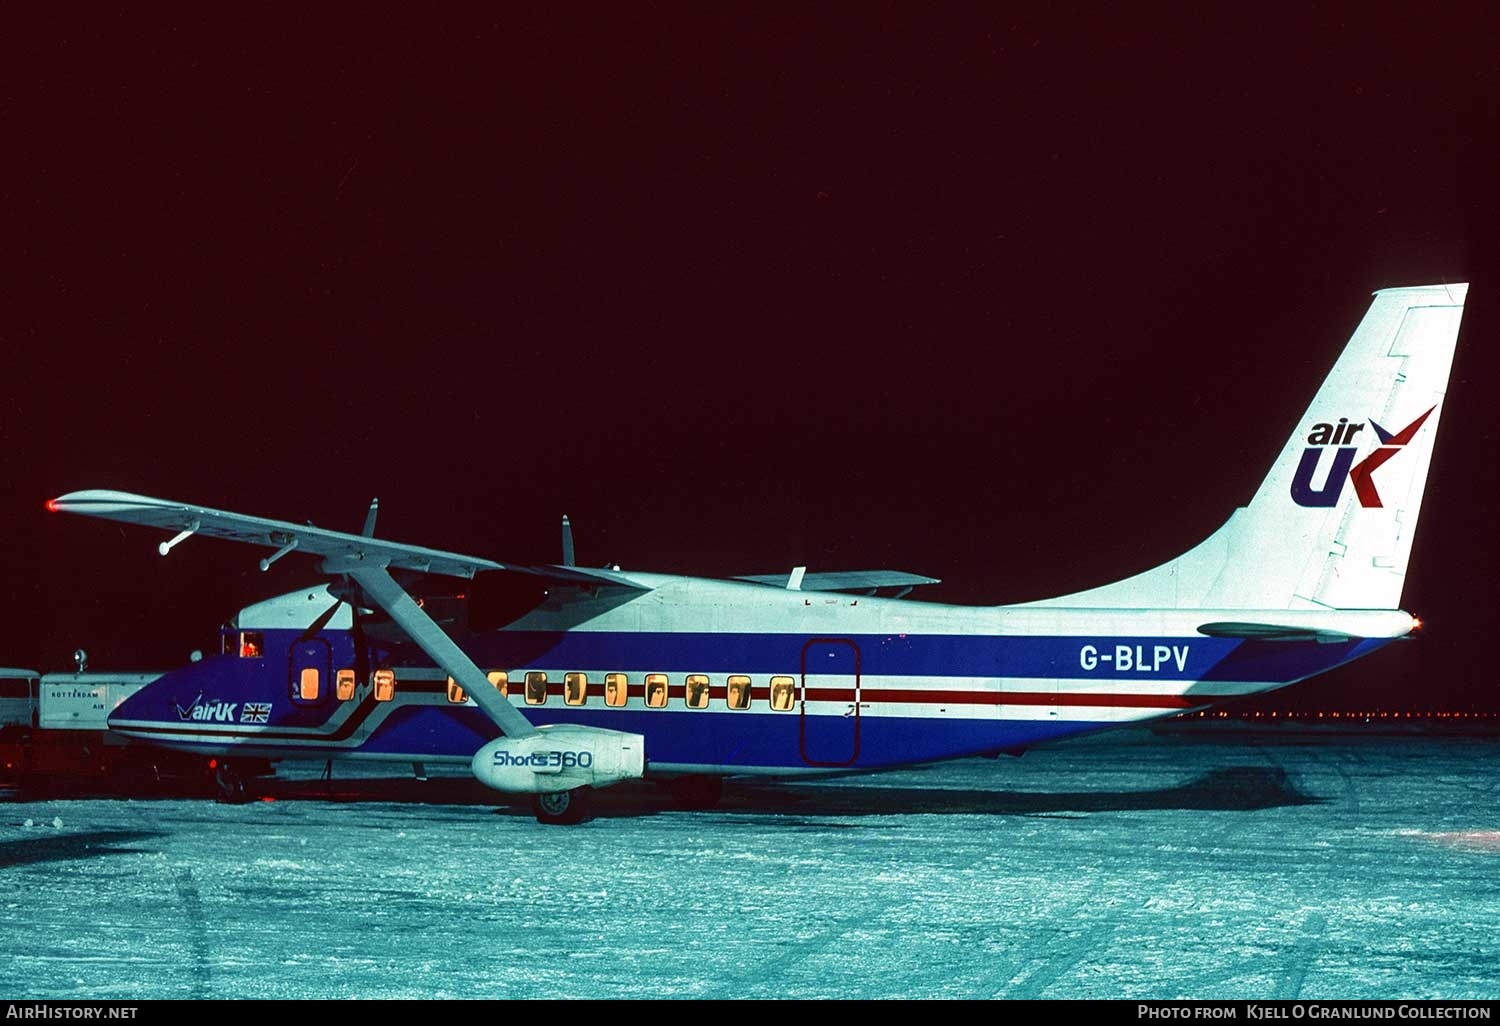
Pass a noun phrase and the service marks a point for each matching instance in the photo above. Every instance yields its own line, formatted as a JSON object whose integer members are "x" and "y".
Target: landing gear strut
{"x": 229, "y": 785}
{"x": 561, "y": 808}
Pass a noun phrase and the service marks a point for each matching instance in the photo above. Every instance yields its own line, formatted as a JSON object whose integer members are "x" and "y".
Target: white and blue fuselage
{"x": 874, "y": 682}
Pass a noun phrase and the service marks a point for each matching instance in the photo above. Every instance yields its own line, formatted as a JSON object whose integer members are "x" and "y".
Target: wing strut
{"x": 182, "y": 536}
{"x": 378, "y": 584}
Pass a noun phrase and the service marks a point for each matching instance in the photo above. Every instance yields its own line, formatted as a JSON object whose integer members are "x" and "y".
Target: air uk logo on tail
{"x": 1341, "y": 436}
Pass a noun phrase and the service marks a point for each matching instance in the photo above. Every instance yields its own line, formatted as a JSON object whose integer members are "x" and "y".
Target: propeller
{"x": 321, "y": 622}
{"x": 347, "y": 591}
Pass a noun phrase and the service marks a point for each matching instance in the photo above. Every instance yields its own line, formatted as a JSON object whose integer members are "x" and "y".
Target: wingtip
{"x": 97, "y": 500}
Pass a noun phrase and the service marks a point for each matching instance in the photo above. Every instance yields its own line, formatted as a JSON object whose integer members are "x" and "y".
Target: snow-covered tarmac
{"x": 1130, "y": 865}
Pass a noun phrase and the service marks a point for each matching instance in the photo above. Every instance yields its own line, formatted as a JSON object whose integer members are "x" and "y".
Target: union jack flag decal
{"x": 256, "y": 712}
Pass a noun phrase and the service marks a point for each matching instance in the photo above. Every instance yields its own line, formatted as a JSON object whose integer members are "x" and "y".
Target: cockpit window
{"x": 252, "y": 644}
{"x": 229, "y": 643}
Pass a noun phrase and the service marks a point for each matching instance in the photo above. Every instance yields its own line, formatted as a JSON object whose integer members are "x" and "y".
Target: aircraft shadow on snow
{"x": 1229, "y": 789}
{"x": 62, "y": 846}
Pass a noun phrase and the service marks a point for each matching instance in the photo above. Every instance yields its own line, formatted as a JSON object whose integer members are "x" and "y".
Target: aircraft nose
{"x": 149, "y": 703}
{"x": 132, "y": 708}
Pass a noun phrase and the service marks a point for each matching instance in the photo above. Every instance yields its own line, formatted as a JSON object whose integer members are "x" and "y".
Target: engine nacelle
{"x": 560, "y": 757}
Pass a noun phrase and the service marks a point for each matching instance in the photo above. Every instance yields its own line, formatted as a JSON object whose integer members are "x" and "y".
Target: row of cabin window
{"x": 738, "y": 691}
{"x": 309, "y": 685}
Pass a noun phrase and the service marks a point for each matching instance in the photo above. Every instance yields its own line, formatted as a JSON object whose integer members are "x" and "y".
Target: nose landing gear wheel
{"x": 561, "y": 808}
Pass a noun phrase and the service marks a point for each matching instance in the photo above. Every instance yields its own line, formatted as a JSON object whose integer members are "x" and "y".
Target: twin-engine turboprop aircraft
{"x": 611, "y": 675}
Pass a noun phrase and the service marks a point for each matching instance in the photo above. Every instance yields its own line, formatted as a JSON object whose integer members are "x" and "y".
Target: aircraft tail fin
{"x": 1331, "y": 526}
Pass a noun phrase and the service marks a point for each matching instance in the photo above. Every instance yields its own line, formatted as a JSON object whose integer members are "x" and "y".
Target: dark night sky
{"x": 1026, "y": 304}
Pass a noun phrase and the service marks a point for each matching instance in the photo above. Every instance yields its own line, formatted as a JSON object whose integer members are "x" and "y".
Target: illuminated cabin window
{"x": 697, "y": 691}
{"x": 739, "y": 692}
{"x": 501, "y": 680}
{"x": 307, "y": 684}
{"x": 536, "y": 687}
{"x": 616, "y": 689}
{"x": 782, "y": 691}
{"x": 385, "y": 685}
{"x": 456, "y": 693}
{"x": 252, "y": 644}
{"x": 575, "y": 688}
{"x": 343, "y": 685}
{"x": 656, "y": 690}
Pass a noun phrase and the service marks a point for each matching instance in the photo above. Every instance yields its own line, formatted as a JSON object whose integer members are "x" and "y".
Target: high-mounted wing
{"x": 364, "y": 559}
{"x": 284, "y": 537}
{"x": 188, "y": 519}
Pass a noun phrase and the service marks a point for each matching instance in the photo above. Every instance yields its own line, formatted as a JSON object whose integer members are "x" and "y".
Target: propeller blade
{"x": 361, "y": 653}
{"x": 321, "y": 622}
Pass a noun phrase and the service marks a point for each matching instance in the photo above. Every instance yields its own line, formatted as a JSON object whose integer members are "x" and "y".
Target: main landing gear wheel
{"x": 229, "y": 785}
{"x": 696, "y": 792}
{"x": 561, "y": 808}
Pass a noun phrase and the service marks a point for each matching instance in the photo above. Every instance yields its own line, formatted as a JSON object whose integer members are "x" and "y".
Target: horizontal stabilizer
{"x": 848, "y": 580}
{"x": 1272, "y": 632}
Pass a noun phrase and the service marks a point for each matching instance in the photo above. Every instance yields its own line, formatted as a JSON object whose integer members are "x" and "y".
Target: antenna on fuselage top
{"x": 567, "y": 541}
